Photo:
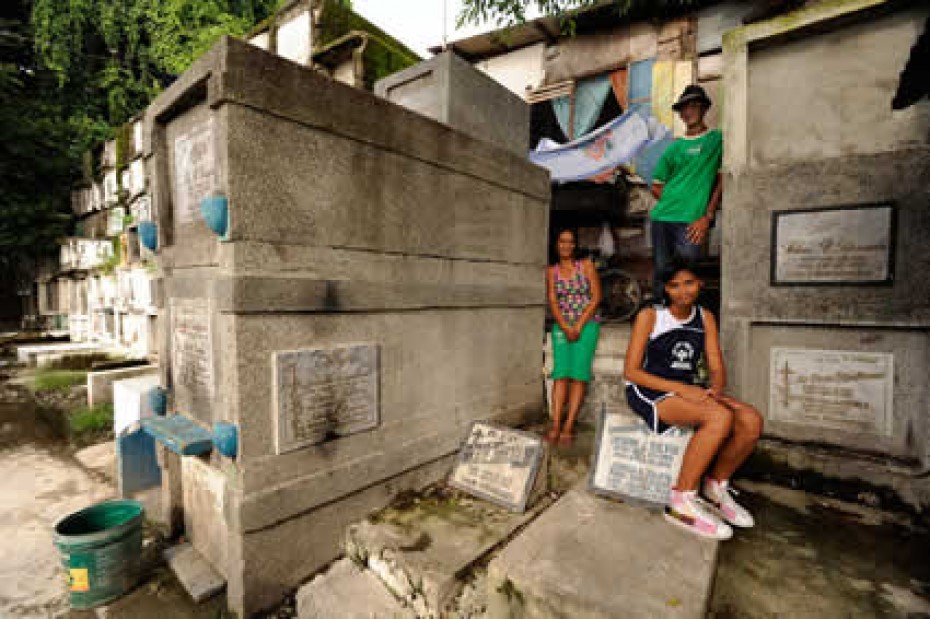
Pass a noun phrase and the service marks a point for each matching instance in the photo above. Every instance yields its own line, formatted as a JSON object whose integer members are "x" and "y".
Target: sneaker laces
{"x": 727, "y": 490}
{"x": 702, "y": 509}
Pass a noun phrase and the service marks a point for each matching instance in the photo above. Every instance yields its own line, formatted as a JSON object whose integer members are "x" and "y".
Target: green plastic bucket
{"x": 100, "y": 550}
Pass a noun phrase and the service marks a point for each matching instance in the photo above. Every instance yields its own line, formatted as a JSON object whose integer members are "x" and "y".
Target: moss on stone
{"x": 383, "y": 54}
{"x": 510, "y": 591}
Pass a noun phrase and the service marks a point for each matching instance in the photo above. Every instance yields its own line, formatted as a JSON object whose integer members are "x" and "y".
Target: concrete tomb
{"x": 499, "y": 464}
{"x": 631, "y": 462}
{"x": 348, "y": 285}
{"x": 825, "y": 320}
{"x": 452, "y": 91}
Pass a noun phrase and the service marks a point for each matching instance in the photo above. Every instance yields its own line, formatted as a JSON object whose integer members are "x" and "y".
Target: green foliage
{"x": 512, "y": 12}
{"x": 35, "y": 135}
{"x": 71, "y": 73}
{"x": 124, "y": 51}
{"x": 338, "y": 19}
{"x": 109, "y": 265}
{"x": 384, "y": 55}
{"x": 91, "y": 419}
{"x": 57, "y": 380}
{"x": 383, "y": 58}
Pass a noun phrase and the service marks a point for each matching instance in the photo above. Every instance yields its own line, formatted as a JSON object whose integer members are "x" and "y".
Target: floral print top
{"x": 573, "y": 294}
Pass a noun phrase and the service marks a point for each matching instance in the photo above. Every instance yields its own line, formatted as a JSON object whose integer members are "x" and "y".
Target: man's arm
{"x": 657, "y": 187}
{"x": 661, "y": 173}
{"x": 714, "y": 203}
{"x": 697, "y": 231}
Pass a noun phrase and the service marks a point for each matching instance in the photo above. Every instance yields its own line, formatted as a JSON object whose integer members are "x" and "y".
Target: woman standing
{"x": 574, "y": 292}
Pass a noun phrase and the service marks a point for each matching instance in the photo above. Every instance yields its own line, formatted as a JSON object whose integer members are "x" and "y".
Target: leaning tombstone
{"x": 633, "y": 463}
{"x": 500, "y": 465}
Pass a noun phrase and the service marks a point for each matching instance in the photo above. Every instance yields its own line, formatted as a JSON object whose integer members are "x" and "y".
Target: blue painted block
{"x": 226, "y": 438}
{"x": 136, "y": 463}
{"x": 640, "y": 84}
{"x": 179, "y": 434}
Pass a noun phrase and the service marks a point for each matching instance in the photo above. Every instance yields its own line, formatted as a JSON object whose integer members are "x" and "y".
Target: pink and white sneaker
{"x": 687, "y": 510}
{"x": 720, "y": 496}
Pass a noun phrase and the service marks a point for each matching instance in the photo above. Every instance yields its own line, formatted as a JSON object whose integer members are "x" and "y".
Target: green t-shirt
{"x": 688, "y": 168}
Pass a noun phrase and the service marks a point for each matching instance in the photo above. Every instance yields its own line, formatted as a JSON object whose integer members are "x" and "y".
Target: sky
{"x": 418, "y": 23}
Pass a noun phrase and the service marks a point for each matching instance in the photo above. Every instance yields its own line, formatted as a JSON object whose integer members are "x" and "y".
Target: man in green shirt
{"x": 686, "y": 181}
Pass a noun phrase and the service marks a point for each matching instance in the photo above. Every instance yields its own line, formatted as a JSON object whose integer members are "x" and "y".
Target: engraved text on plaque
{"x": 325, "y": 393}
{"x": 834, "y": 389}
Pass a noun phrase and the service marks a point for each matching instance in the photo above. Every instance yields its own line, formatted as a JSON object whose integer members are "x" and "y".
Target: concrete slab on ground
{"x": 100, "y": 459}
{"x": 592, "y": 558}
{"x": 421, "y": 551}
{"x": 197, "y": 576}
{"x": 347, "y": 591}
{"x": 38, "y": 488}
{"x": 816, "y": 556}
{"x": 100, "y": 384}
{"x": 44, "y": 354}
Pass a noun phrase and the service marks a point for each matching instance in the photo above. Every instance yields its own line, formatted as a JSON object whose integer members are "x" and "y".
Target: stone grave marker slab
{"x": 195, "y": 171}
{"x": 633, "y": 463}
{"x": 324, "y": 393}
{"x": 192, "y": 347}
{"x": 498, "y": 464}
{"x": 834, "y": 389}
{"x": 852, "y": 245}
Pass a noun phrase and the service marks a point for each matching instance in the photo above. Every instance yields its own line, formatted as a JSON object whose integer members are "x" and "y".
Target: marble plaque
{"x": 631, "y": 462}
{"x": 195, "y": 171}
{"x": 833, "y": 389}
{"x": 324, "y": 393}
{"x": 498, "y": 464}
{"x": 844, "y": 245}
{"x": 192, "y": 347}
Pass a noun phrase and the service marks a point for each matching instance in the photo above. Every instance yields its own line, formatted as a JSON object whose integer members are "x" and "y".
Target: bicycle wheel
{"x": 622, "y": 295}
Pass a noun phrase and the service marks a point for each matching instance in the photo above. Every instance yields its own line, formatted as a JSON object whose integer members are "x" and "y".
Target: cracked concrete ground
{"x": 811, "y": 556}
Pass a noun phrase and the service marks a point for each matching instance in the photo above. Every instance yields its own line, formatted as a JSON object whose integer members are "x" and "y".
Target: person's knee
{"x": 750, "y": 424}
{"x": 719, "y": 419}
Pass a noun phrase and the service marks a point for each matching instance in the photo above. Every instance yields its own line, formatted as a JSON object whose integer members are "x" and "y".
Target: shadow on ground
{"x": 810, "y": 556}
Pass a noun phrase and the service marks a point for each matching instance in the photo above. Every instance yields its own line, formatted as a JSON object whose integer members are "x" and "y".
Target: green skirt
{"x": 573, "y": 359}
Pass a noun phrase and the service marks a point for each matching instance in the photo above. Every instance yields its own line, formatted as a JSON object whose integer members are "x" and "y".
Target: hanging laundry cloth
{"x": 590, "y": 95}
{"x": 616, "y": 143}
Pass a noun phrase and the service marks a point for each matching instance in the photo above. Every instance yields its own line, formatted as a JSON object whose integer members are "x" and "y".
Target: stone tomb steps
{"x": 449, "y": 555}
{"x": 423, "y": 551}
{"x": 588, "y": 557}
{"x": 349, "y": 591}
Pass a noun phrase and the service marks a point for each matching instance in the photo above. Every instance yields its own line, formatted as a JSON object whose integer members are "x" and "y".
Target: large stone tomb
{"x": 349, "y": 285}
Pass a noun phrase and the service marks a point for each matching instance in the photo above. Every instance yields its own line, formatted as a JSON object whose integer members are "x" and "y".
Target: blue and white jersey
{"x": 675, "y": 346}
{"x": 672, "y": 353}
